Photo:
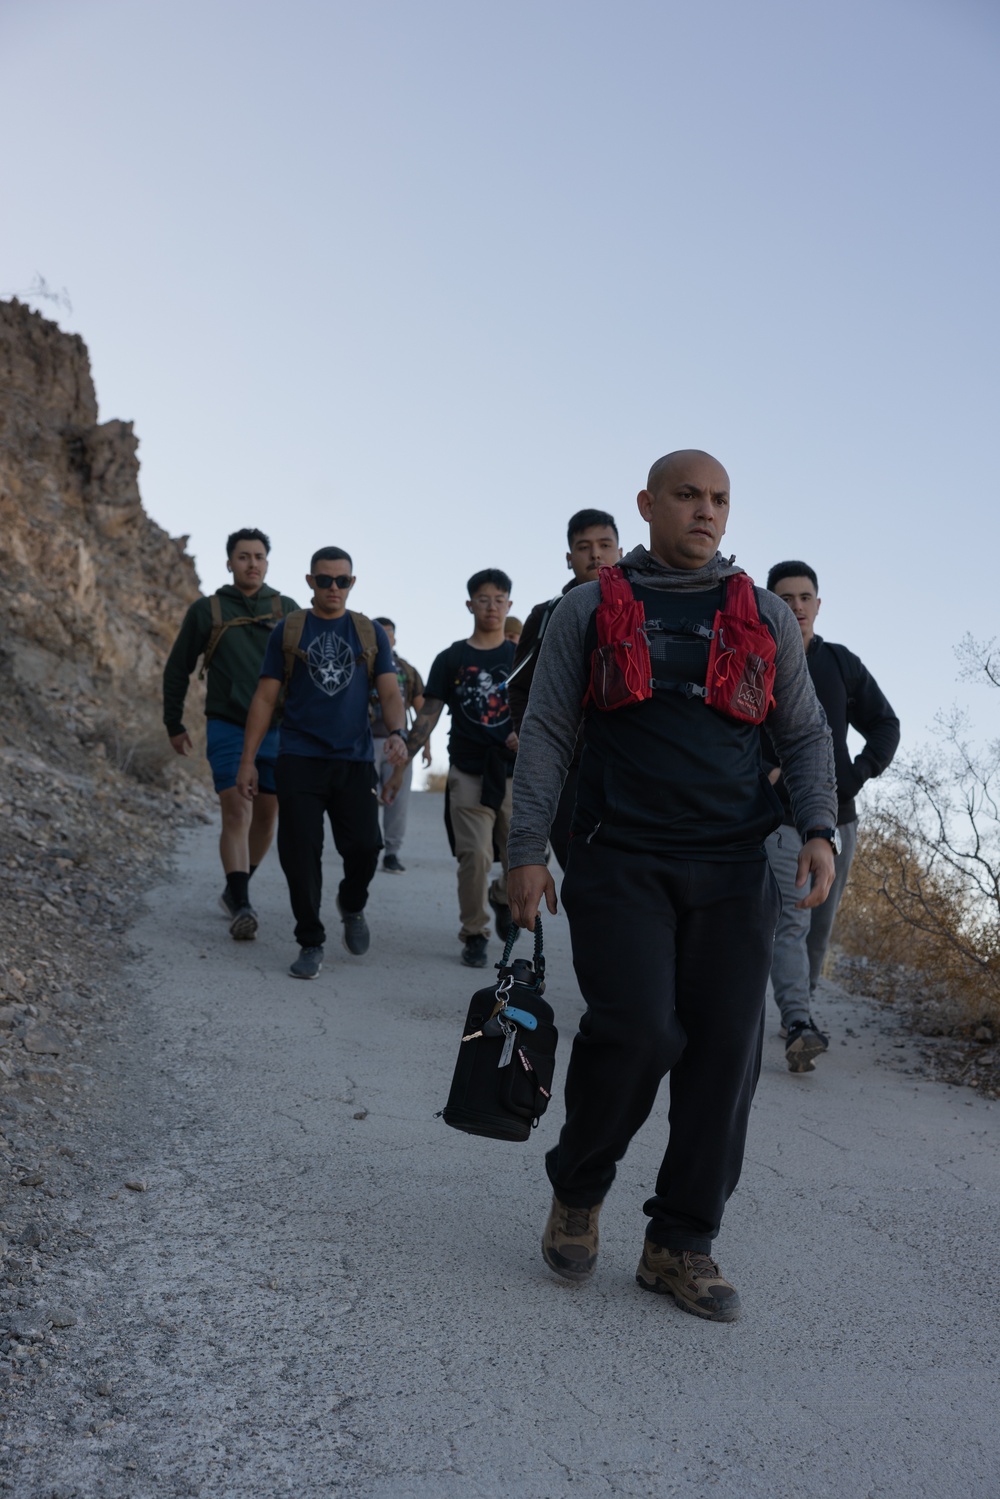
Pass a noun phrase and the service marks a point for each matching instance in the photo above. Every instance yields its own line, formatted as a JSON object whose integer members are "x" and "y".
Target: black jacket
{"x": 850, "y": 697}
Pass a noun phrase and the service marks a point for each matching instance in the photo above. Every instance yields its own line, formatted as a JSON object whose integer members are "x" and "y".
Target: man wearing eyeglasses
{"x": 470, "y": 677}
{"x": 329, "y": 658}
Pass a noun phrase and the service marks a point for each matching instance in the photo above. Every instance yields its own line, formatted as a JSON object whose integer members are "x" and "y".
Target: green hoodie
{"x": 235, "y": 666}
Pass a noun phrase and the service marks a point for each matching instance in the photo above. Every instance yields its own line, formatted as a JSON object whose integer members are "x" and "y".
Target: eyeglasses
{"x": 486, "y": 600}
{"x": 342, "y": 580}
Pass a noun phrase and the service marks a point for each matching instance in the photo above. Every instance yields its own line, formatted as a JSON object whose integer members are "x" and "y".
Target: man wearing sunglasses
{"x": 329, "y": 658}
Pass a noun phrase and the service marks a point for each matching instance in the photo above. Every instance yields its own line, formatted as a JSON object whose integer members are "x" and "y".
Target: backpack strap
{"x": 369, "y": 642}
{"x": 291, "y": 647}
{"x": 220, "y": 626}
{"x": 537, "y": 642}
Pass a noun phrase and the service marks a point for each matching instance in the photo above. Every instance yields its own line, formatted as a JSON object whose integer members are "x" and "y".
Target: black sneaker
{"x": 474, "y": 952}
{"x": 391, "y": 865}
{"x": 227, "y": 904}
{"x": 308, "y": 963}
{"x": 504, "y": 920}
{"x": 805, "y": 1041}
{"x": 243, "y": 927}
{"x": 356, "y": 934}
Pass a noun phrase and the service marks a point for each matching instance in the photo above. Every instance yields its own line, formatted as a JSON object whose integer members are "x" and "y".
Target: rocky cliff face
{"x": 91, "y": 796}
{"x": 93, "y": 588}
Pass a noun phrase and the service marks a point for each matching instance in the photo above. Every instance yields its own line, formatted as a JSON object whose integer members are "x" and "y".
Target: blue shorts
{"x": 225, "y": 751}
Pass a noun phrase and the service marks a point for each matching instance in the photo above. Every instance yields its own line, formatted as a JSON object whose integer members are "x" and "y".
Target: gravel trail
{"x": 280, "y": 1273}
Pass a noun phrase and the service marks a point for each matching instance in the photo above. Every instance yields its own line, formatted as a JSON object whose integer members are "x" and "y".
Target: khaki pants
{"x": 475, "y": 828}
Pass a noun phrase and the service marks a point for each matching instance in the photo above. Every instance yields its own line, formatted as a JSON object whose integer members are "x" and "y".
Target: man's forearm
{"x": 424, "y": 727}
{"x": 258, "y": 722}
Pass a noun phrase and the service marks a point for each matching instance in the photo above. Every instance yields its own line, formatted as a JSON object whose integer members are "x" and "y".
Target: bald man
{"x": 671, "y": 902}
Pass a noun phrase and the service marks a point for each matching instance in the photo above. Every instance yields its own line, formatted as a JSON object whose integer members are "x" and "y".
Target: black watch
{"x": 400, "y": 734}
{"x": 832, "y": 836}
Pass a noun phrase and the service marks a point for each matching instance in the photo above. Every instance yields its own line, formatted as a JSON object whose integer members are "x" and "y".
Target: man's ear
{"x": 644, "y": 500}
{"x": 818, "y": 603}
{"x": 468, "y": 605}
{"x": 569, "y": 560}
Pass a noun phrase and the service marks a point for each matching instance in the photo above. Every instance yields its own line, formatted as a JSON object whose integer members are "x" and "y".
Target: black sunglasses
{"x": 323, "y": 580}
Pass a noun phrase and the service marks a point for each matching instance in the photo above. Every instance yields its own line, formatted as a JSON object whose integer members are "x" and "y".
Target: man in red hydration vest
{"x": 671, "y": 902}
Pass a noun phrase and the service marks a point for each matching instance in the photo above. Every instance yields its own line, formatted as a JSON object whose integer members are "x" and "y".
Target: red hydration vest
{"x": 740, "y": 677}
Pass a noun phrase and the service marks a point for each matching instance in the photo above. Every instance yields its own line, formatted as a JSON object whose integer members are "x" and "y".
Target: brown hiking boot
{"x": 569, "y": 1243}
{"x": 693, "y": 1280}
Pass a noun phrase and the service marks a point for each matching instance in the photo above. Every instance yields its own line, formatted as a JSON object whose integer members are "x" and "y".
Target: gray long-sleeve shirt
{"x": 797, "y": 724}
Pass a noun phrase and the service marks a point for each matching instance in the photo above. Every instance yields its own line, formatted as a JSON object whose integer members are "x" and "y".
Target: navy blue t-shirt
{"x": 326, "y": 710}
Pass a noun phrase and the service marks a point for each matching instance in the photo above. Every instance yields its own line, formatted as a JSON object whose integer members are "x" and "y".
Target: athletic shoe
{"x": 504, "y": 920}
{"x": 569, "y": 1240}
{"x": 243, "y": 927}
{"x": 308, "y": 963}
{"x": 227, "y": 904}
{"x": 693, "y": 1280}
{"x": 474, "y": 952}
{"x": 805, "y": 1041}
{"x": 356, "y": 933}
{"x": 783, "y": 1031}
{"x": 391, "y": 865}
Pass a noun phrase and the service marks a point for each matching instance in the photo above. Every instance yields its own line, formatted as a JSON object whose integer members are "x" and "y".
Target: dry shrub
{"x": 921, "y": 914}
{"x": 911, "y": 927}
{"x": 437, "y": 781}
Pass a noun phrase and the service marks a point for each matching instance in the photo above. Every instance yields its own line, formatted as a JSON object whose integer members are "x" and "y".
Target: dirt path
{"x": 323, "y": 1290}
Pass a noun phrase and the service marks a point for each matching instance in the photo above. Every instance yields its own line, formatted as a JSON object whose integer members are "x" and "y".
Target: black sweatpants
{"x": 307, "y": 790}
{"x": 559, "y": 832}
{"x": 672, "y": 958}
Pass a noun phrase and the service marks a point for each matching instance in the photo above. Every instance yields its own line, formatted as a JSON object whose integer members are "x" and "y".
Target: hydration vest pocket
{"x": 620, "y": 674}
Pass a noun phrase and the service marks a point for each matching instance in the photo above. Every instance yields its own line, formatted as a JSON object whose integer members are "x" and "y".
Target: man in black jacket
{"x": 851, "y": 697}
{"x": 592, "y": 538}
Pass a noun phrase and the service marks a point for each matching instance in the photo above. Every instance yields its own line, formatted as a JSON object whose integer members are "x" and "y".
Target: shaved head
{"x": 664, "y": 469}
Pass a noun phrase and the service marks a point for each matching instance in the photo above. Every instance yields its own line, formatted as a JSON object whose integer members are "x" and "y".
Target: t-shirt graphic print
{"x": 482, "y": 695}
{"x": 331, "y": 663}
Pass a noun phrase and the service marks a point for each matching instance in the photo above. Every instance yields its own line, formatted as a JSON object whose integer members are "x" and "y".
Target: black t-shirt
{"x": 473, "y": 684}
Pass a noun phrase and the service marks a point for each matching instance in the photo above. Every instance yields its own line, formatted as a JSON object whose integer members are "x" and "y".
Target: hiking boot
{"x": 227, "y": 904}
{"x": 805, "y": 1041}
{"x": 356, "y": 933}
{"x": 474, "y": 952}
{"x": 391, "y": 865}
{"x": 243, "y": 927}
{"x": 308, "y": 963}
{"x": 693, "y": 1280}
{"x": 504, "y": 920}
{"x": 569, "y": 1240}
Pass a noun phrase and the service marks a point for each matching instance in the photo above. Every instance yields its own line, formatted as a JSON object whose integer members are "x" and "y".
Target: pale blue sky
{"x": 420, "y": 280}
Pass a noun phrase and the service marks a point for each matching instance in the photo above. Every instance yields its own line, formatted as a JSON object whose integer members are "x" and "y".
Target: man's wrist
{"x": 399, "y": 734}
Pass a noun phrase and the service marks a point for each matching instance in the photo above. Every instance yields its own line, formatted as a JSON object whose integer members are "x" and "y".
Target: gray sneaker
{"x": 243, "y": 927}
{"x": 227, "y": 905}
{"x": 356, "y": 934}
{"x": 805, "y": 1040}
{"x": 308, "y": 963}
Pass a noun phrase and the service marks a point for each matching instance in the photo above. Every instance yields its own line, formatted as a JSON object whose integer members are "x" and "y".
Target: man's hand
{"x": 392, "y": 786}
{"x": 426, "y": 755}
{"x": 181, "y": 743}
{"x": 525, "y": 888}
{"x": 774, "y": 775}
{"x": 246, "y": 780}
{"x": 395, "y": 750}
{"x": 511, "y": 741}
{"x": 816, "y": 859}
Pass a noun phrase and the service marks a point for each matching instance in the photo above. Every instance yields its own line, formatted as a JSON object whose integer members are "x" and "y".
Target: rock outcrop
{"x": 93, "y": 588}
{"x": 91, "y": 794}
